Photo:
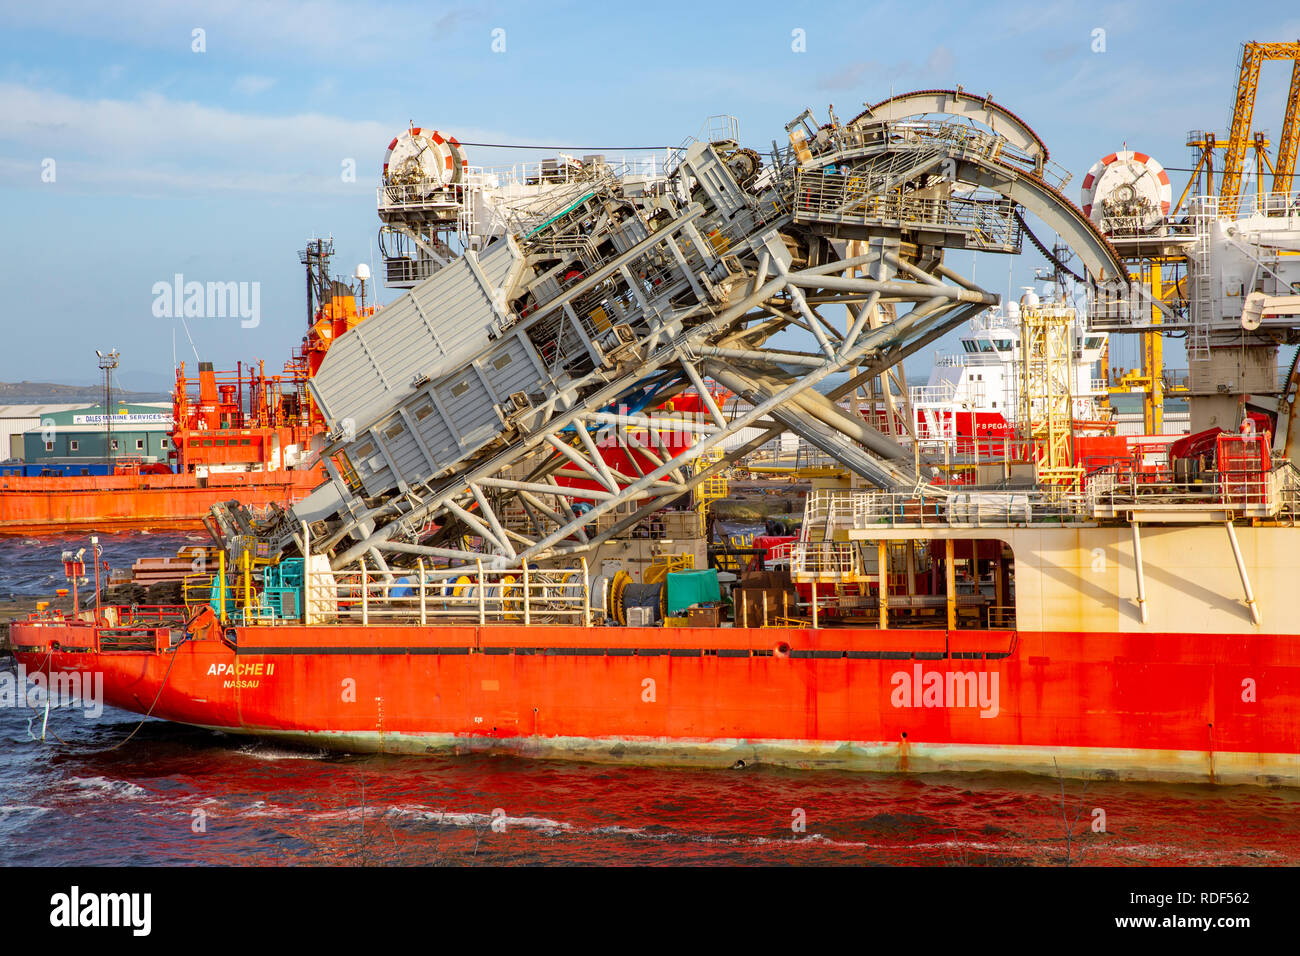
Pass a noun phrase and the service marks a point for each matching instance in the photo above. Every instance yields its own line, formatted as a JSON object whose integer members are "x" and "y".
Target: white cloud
{"x": 850, "y": 77}
{"x": 162, "y": 180}
{"x": 165, "y": 145}
{"x": 155, "y": 126}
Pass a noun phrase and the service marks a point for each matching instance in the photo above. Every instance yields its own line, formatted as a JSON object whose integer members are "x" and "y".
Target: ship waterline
{"x": 1114, "y": 706}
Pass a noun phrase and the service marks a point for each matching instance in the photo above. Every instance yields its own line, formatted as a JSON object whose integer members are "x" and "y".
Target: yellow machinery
{"x": 235, "y": 592}
{"x": 1149, "y": 380}
{"x": 659, "y": 569}
{"x": 711, "y": 489}
{"x": 1207, "y": 142}
{"x": 1241, "y": 138}
{"x": 1046, "y": 350}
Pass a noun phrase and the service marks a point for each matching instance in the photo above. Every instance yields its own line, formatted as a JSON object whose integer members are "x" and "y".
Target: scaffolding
{"x": 712, "y": 488}
{"x": 1046, "y": 347}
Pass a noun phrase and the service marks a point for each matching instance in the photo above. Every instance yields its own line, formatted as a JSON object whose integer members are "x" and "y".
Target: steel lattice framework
{"x": 1046, "y": 347}
{"x": 485, "y": 402}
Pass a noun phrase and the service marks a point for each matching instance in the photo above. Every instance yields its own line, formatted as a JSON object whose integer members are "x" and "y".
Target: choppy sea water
{"x": 174, "y": 795}
{"x": 32, "y": 566}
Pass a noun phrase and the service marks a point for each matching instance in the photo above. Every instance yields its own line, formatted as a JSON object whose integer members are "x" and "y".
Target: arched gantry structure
{"x": 507, "y": 397}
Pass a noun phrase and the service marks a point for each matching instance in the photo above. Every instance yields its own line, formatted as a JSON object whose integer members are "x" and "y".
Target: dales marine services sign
{"x": 130, "y": 418}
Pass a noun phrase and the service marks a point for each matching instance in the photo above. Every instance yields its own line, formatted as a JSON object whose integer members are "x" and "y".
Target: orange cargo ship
{"x": 126, "y": 500}
{"x": 240, "y": 435}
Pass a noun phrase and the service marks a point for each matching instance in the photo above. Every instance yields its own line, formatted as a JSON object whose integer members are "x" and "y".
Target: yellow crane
{"x": 1253, "y": 55}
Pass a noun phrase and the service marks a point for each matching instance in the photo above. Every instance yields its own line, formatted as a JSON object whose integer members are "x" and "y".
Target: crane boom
{"x": 1289, "y": 143}
{"x": 1253, "y": 56}
{"x": 1243, "y": 110}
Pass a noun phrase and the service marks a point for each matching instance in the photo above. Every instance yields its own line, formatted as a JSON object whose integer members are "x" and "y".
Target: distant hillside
{"x": 35, "y": 393}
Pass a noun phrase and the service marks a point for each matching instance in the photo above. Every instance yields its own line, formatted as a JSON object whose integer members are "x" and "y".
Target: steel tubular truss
{"x": 558, "y": 481}
{"x": 510, "y": 408}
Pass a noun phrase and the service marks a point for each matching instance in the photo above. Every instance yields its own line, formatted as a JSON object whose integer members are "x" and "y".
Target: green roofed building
{"x": 77, "y": 435}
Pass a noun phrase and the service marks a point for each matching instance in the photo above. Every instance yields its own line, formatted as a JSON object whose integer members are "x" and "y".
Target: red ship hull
{"x": 40, "y": 505}
{"x": 1126, "y": 705}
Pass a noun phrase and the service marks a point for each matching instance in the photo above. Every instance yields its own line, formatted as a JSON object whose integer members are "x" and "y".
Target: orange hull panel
{"x": 32, "y": 505}
{"x": 1137, "y": 706}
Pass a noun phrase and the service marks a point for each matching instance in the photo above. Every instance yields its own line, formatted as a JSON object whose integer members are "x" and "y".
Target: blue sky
{"x": 220, "y": 164}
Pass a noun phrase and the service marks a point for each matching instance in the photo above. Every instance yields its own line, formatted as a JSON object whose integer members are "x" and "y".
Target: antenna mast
{"x": 108, "y": 362}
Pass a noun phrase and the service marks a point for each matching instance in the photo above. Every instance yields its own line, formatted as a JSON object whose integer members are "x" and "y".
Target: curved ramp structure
{"x": 503, "y": 410}
{"x": 981, "y": 109}
{"x": 1094, "y": 250}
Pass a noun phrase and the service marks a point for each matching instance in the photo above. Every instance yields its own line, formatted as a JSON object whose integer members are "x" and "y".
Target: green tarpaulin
{"x": 691, "y": 587}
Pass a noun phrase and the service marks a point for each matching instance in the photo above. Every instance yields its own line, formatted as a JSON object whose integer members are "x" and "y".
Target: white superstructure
{"x": 983, "y": 380}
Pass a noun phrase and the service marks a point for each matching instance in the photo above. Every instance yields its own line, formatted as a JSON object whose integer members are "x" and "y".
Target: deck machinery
{"x": 460, "y": 408}
{"x": 1220, "y": 271}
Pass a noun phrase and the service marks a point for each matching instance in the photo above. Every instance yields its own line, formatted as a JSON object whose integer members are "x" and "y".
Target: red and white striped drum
{"x": 1126, "y": 188}
{"x": 425, "y": 156}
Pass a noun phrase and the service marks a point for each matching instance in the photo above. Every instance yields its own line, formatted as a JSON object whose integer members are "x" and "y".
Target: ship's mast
{"x": 316, "y": 257}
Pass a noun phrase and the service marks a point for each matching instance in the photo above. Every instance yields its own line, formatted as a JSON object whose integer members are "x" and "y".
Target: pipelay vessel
{"x": 504, "y": 556}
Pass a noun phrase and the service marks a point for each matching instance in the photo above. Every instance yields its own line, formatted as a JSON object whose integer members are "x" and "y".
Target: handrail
{"x": 1107, "y": 493}
{"x": 467, "y": 593}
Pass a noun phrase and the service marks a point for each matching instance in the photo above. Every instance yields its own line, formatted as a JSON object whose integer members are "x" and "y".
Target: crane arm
{"x": 1290, "y": 141}
{"x": 1239, "y": 134}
